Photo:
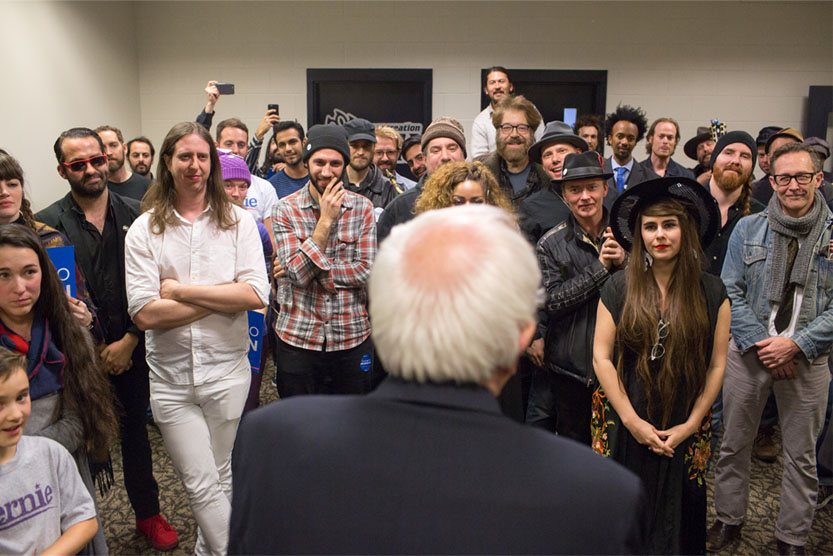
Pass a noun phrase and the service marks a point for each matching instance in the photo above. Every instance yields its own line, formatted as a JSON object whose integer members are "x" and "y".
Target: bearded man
{"x": 515, "y": 120}
{"x": 733, "y": 160}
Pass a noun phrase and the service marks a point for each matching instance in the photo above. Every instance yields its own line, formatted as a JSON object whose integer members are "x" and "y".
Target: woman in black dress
{"x": 662, "y": 335}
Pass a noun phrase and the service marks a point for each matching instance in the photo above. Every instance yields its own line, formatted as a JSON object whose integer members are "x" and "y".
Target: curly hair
{"x": 86, "y": 388}
{"x": 623, "y": 112}
{"x": 438, "y": 190}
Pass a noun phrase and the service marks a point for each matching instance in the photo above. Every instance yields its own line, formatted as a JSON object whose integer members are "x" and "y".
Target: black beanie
{"x": 736, "y": 137}
{"x": 325, "y": 136}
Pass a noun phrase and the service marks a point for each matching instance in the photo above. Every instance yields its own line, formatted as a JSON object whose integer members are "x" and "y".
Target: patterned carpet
{"x": 122, "y": 537}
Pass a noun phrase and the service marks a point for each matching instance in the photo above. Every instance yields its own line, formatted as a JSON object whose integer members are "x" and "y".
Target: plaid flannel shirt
{"x": 323, "y": 297}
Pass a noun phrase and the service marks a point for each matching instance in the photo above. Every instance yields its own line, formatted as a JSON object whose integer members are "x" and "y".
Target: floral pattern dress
{"x": 676, "y": 487}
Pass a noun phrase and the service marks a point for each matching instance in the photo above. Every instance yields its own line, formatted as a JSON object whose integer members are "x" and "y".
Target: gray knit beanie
{"x": 445, "y": 127}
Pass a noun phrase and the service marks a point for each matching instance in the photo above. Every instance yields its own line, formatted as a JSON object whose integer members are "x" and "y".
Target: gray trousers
{"x": 801, "y": 404}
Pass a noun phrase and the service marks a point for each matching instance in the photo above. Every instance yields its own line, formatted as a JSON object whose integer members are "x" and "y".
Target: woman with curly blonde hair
{"x": 460, "y": 183}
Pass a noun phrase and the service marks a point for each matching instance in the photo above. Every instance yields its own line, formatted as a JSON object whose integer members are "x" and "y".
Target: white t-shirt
{"x": 260, "y": 198}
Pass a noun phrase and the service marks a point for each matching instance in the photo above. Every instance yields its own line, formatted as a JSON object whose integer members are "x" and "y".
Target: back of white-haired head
{"x": 450, "y": 292}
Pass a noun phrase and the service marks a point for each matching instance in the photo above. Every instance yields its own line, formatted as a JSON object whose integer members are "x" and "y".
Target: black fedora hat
{"x": 690, "y": 148}
{"x": 694, "y": 197}
{"x": 556, "y": 132}
{"x": 578, "y": 166}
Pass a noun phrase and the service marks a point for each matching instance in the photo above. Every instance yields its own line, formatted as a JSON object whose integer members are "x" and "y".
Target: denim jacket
{"x": 746, "y": 273}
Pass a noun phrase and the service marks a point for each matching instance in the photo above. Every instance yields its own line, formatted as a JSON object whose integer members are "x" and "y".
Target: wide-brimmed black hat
{"x": 556, "y": 132}
{"x": 634, "y": 199}
{"x": 578, "y": 166}
{"x": 690, "y": 148}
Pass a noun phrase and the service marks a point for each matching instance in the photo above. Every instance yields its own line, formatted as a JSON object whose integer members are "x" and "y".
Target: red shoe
{"x": 162, "y": 536}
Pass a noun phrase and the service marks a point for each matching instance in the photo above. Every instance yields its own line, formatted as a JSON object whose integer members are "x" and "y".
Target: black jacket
{"x": 546, "y": 209}
{"x": 638, "y": 174}
{"x": 439, "y": 462}
{"x": 65, "y": 216}
{"x": 375, "y": 187}
{"x": 399, "y": 211}
{"x": 573, "y": 277}
{"x": 536, "y": 180}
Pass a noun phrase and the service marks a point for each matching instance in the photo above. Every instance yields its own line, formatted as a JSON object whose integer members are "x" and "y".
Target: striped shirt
{"x": 323, "y": 297}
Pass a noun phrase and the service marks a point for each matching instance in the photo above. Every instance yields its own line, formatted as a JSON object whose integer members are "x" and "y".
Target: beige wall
{"x": 143, "y": 65}
{"x": 63, "y": 65}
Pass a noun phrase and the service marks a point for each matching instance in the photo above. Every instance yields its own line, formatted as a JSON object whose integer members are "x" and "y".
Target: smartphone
{"x": 225, "y": 88}
{"x": 274, "y": 107}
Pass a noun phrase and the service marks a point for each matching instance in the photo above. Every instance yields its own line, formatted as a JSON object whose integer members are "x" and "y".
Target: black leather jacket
{"x": 573, "y": 277}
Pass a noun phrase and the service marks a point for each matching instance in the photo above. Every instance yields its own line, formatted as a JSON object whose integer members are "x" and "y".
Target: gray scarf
{"x": 786, "y": 227}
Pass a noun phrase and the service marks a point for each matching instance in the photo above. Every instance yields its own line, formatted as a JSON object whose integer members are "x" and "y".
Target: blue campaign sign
{"x": 256, "y": 328}
{"x": 64, "y": 260}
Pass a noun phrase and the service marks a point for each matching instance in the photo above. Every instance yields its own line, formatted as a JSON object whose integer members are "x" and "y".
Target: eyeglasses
{"x": 803, "y": 178}
{"x": 522, "y": 129}
{"x": 80, "y": 165}
{"x": 658, "y": 350}
{"x": 389, "y": 154}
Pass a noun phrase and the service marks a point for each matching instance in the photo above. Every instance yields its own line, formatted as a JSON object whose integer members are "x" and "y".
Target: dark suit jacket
{"x": 638, "y": 174}
{"x": 431, "y": 468}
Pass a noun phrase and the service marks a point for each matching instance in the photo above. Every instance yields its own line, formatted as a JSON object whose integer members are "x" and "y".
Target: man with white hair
{"x": 453, "y": 296}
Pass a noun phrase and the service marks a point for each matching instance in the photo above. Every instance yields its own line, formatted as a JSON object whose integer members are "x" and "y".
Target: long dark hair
{"x": 686, "y": 358}
{"x": 86, "y": 388}
{"x": 10, "y": 169}
{"x": 161, "y": 196}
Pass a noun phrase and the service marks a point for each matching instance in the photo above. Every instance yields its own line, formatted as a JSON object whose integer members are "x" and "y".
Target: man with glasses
{"x": 95, "y": 219}
{"x": 778, "y": 273}
{"x": 386, "y": 155}
{"x": 514, "y": 120}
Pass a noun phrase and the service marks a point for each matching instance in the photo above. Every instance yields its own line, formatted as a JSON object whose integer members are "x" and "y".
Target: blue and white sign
{"x": 64, "y": 260}
{"x": 256, "y": 329}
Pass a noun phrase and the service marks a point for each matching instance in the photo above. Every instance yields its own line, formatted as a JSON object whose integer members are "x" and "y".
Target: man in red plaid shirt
{"x": 326, "y": 243}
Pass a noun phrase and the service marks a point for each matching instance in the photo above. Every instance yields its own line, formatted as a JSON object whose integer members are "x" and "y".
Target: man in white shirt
{"x": 483, "y": 136}
{"x": 194, "y": 266}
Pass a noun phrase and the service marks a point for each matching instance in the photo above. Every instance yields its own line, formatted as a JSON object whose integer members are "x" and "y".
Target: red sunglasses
{"x": 79, "y": 165}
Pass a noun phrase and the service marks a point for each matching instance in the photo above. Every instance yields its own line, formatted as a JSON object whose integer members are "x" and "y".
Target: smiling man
{"x": 731, "y": 185}
{"x": 777, "y": 274}
{"x": 326, "y": 243}
{"x": 624, "y": 128}
{"x": 497, "y": 85}
{"x": 515, "y": 119}
{"x": 289, "y": 139}
{"x": 194, "y": 266}
{"x": 576, "y": 259}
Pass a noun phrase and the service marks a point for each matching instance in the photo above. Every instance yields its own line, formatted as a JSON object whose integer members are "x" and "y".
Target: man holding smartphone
{"x": 326, "y": 244}
{"x": 270, "y": 119}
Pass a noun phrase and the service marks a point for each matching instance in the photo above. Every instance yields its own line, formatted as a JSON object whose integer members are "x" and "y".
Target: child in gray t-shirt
{"x": 44, "y": 506}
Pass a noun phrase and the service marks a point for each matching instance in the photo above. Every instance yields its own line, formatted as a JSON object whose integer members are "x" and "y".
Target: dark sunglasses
{"x": 80, "y": 165}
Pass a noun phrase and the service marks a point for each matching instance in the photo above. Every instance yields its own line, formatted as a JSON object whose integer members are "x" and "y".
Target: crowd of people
{"x": 561, "y": 304}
